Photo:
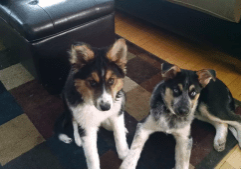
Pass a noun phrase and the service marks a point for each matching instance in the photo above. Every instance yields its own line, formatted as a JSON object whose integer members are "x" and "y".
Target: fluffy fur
{"x": 173, "y": 105}
{"x": 94, "y": 97}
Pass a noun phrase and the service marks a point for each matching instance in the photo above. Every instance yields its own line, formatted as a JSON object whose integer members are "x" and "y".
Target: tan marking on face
{"x": 117, "y": 86}
{"x": 95, "y": 76}
{"x": 83, "y": 88}
{"x": 108, "y": 75}
{"x": 168, "y": 99}
{"x": 191, "y": 87}
{"x": 180, "y": 86}
{"x": 168, "y": 96}
{"x": 194, "y": 101}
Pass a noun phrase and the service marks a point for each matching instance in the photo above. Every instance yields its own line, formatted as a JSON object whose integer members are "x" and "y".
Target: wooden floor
{"x": 180, "y": 51}
{"x": 187, "y": 55}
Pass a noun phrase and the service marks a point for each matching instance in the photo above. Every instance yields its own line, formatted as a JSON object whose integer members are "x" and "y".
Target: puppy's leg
{"x": 235, "y": 128}
{"x": 119, "y": 129}
{"x": 228, "y": 117}
{"x": 233, "y": 131}
{"x": 183, "y": 147}
{"x": 219, "y": 142}
{"x": 221, "y": 133}
{"x": 142, "y": 134}
{"x": 221, "y": 136}
{"x": 234, "y": 120}
{"x": 90, "y": 148}
{"x": 76, "y": 134}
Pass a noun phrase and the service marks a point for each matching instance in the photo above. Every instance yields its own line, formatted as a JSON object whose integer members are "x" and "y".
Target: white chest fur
{"x": 88, "y": 115}
{"x": 163, "y": 125}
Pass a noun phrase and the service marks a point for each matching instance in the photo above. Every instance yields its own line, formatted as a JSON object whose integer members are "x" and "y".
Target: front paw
{"x": 219, "y": 145}
{"x": 182, "y": 166}
{"x": 126, "y": 166}
{"x": 78, "y": 141}
{"x": 122, "y": 155}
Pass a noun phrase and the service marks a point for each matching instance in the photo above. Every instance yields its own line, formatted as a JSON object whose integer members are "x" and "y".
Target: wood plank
{"x": 220, "y": 164}
{"x": 235, "y": 159}
{"x": 226, "y": 165}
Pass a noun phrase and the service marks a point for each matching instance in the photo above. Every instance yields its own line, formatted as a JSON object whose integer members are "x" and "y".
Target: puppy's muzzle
{"x": 104, "y": 106}
{"x": 183, "y": 111}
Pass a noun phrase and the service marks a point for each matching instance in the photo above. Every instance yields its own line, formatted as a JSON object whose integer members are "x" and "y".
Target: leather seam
{"x": 10, "y": 6}
{"x": 48, "y": 15}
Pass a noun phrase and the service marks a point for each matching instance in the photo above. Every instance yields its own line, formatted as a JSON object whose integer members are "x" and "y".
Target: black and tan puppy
{"x": 175, "y": 101}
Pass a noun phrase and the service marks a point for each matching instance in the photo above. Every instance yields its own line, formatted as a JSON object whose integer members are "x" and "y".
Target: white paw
{"x": 127, "y": 166}
{"x": 181, "y": 167}
{"x": 78, "y": 141}
{"x": 122, "y": 155}
{"x": 65, "y": 138}
{"x": 219, "y": 146}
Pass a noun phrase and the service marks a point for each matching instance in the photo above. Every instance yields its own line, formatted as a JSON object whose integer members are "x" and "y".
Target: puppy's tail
{"x": 63, "y": 128}
{"x": 64, "y": 138}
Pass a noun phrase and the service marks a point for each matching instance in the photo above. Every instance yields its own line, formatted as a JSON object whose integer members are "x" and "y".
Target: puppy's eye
{"x": 111, "y": 81}
{"x": 175, "y": 90}
{"x": 193, "y": 93}
{"x": 92, "y": 83}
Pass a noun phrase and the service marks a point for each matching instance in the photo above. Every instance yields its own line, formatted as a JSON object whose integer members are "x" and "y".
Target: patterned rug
{"x": 28, "y": 113}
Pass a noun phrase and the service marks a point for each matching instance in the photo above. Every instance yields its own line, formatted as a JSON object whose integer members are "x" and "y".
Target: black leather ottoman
{"x": 40, "y": 32}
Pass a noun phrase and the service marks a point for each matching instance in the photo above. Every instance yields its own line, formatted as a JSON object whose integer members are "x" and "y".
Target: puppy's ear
{"x": 118, "y": 53}
{"x": 205, "y": 75}
{"x": 169, "y": 71}
{"x": 80, "y": 54}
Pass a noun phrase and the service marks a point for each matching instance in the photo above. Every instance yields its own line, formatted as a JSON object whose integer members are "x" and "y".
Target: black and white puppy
{"x": 173, "y": 105}
{"x": 94, "y": 97}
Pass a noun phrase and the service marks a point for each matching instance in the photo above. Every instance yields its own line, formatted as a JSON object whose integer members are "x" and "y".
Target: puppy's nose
{"x": 183, "y": 111}
{"x": 105, "y": 106}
